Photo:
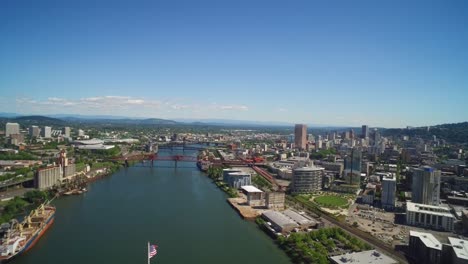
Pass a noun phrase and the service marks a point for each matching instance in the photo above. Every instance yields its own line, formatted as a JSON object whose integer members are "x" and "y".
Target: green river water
{"x": 180, "y": 210}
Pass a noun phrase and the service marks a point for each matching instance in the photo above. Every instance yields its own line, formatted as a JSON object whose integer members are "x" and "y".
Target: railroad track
{"x": 362, "y": 235}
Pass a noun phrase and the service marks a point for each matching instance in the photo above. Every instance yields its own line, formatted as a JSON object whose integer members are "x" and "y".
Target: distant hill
{"x": 453, "y": 133}
{"x": 121, "y": 121}
{"x": 37, "y": 120}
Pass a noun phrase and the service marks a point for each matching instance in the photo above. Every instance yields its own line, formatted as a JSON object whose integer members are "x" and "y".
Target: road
{"x": 7, "y": 195}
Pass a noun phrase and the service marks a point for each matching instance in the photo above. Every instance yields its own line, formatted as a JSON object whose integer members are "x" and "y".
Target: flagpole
{"x": 148, "y": 253}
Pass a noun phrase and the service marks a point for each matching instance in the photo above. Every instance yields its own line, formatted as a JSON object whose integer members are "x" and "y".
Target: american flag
{"x": 152, "y": 251}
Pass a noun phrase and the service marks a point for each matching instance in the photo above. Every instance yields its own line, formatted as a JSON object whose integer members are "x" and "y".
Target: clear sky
{"x": 381, "y": 63}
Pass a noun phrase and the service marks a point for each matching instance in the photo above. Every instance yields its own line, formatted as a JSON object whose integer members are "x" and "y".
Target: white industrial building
{"x": 255, "y": 196}
{"x": 288, "y": 220}
{"x": 236, "y": 178}
{"x": 430, "y": 216}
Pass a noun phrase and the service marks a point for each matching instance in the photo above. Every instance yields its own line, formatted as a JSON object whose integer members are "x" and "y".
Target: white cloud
{"x": 216, "y": 106}
{"x": 123, "y": 105}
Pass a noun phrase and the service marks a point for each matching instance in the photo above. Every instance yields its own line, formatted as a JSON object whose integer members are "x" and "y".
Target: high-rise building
{"x": 80, "y": 133}
{"x": 353, "y": 160}
{"x": 375, "y": 137}
{"x": 388, "y": 192}
{"x": 11, "y": 129}
{"x": 365, "y": 131}
{"x": 351, "y": 133}
{"x": 300, "y": 136}
{"x": 426, "y": 186}
{"x": 307, "y": 179}
{"x": 34, "y": 131}
{"x": 66, "y": 131}
{"x": 47, "y": 132}
{"x": 352, "y": 167}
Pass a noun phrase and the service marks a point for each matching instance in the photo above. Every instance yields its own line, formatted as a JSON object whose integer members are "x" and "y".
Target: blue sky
{"x": 381, "y": 63}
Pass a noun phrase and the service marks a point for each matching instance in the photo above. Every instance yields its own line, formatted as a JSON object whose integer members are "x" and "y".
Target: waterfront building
{"x": 388, "y": 192}
{"x": 300, "y": 136}
{"x": 430, "y": 216}
{"x": 12, "y": 129}
{"x": 365, "y": 131}
{"x": 69, "y": 170}
{"x": 424, "y": 248}
{"x": 255, "y": 196}
{"x": 237, "y": 179}
{"x": 275, "y": 200}
{"x": 46, "y": 132}
{"x": 34, "y": 131}
{"x": 47, "y": 177}
{"x": 227, "y": 171}
{"x": 279, "y": 222}
{"x": 288, "y": 220}
{"x": 369, "y": 256}
{"x": 426, "y": 186}
{"x": 307, "y": 179}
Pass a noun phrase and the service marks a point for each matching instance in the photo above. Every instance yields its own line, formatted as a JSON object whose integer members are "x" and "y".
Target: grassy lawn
{"x": 331, "y": 201}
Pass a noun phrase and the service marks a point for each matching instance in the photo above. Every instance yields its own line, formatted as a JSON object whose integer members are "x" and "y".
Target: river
{"x": 179, "y": 209}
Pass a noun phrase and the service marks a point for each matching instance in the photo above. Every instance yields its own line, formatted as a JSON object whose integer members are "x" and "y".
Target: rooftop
{"x": 460, "y": 247}
{"x": 89, "y": 142}
{"x": 251, "y": 189}
{"x": 298, "y": 218}
{"x": 429, "y": 209}
{"x": 370, "y": 256}
{"x": 428, "y": 239}
{"x": 279, "y": 218}
{"x": 312, "y": 168}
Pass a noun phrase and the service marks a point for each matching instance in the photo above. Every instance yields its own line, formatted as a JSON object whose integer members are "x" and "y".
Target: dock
{"x": 241, "y": 206}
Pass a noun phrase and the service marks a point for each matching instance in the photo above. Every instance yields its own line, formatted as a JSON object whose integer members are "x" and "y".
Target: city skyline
{"x": 380, "y": 64}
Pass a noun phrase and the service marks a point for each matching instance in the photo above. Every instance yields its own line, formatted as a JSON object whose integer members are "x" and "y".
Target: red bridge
{"x": 155, "y": 157}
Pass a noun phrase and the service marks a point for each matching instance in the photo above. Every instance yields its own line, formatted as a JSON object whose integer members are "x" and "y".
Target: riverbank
{"x": 244, "y": 210}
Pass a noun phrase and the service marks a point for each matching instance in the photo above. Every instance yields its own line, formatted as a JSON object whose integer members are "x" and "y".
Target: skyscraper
{"x": 66, "y": 131}
{"x": 47, "y": 132}
{"x": 300, "y": 136}
{"x": 11, "y": 129}
{"x": 426, "y": 186}
{"x": 353, "y": 160}
{"x": 365, "y": 131}
{"x": 352, "y": 167}
{"x": 34, "y": 131}
{"x": 388, "y": 192}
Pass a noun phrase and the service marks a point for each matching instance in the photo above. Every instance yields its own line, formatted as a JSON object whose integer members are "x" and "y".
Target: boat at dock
{"x": 20, "y": 237}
